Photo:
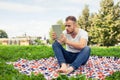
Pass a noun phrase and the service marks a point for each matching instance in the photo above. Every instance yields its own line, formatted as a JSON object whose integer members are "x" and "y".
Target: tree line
{"x": 103, "y": 27}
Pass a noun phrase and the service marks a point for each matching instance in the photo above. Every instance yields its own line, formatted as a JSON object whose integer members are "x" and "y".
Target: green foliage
{"x": 114, "y": 76}
{"x": 39, "y": 42}
{"x": 65, "y": 77}
{"x": 62, "y": 77}
{"x": 60, "y": 22}
{"x": 3, "y": 34}
{"x": 12, "y": 53}
{"x": 83, "y": 20}
{"x": 7, "y": 72}
{"x": 105, "y": 27}
{"x": 104, "y": 51}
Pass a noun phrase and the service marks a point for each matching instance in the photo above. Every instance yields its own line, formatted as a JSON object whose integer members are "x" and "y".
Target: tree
{"x": 94, "y": 30}
{"x": 3, "y": 34}
{"x": 39, "y": 42}
{"x": 60, "y": 22}
{"x": 83, "y": 20}
{"x": 106, "y": 27}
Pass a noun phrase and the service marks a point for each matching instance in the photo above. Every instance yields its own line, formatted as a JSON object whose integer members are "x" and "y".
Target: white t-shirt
{"x": 81, "y": 34}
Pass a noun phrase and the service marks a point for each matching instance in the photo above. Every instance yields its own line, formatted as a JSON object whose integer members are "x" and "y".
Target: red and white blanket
{"x": 96, "y": 67}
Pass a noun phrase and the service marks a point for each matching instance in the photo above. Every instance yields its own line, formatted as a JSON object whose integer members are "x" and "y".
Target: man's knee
{"x": 87, "y": 48}
{"x": 55, "y": 44}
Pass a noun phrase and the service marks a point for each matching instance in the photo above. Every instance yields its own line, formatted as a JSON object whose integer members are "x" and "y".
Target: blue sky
{"x": 35, "y": 17}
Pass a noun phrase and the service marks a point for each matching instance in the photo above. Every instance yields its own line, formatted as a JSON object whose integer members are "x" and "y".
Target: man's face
{"x": 70, "y": 26}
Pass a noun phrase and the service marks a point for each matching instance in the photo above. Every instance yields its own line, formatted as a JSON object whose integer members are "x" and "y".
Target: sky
{"x": 35, "y": 17}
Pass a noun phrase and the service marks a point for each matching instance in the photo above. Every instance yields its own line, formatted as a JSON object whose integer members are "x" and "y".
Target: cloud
{"x": 20, "y": 7}
{"x": 31, "y": 28}
{"x": 38, "y": 15}
{"x": 37, "y": 7}
{"x": 41, "y": 6}
{"x": 84, "y": 1}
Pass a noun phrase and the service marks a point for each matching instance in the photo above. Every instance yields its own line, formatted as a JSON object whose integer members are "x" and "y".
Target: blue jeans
{"x": 74, "y": 59}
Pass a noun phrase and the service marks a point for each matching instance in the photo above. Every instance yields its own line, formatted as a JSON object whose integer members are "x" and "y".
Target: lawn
{"x": 14, "y": 53}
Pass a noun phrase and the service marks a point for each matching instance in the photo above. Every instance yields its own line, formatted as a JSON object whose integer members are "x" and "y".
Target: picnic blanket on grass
{"x": 96, "y": 67}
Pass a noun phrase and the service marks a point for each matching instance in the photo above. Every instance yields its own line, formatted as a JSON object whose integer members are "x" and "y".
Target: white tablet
{"x": 57, "y": 29}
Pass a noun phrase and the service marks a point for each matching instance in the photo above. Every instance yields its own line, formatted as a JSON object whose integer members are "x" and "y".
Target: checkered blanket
{"x": 96, "y": 67}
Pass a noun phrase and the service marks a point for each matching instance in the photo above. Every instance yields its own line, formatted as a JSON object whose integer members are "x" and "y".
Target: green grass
{"x": 104, "y": 51}
{"x": 13, "y": 53}
{"x": 7, "y": 72}
{"x": 114, "y": 76}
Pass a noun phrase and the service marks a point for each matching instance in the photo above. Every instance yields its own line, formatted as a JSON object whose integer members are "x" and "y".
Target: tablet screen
{"x": 57, "y": 29}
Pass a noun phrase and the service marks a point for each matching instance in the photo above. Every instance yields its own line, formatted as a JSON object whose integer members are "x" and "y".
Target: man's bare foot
{"x": 69, "y": 70}
{"x": 63, "y": 68}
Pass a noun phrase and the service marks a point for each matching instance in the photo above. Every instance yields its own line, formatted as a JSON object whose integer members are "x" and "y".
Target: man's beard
{"x": 70, "y": 32}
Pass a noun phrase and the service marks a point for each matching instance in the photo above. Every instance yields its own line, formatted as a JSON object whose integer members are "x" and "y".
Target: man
{"x": 77, "y": 52}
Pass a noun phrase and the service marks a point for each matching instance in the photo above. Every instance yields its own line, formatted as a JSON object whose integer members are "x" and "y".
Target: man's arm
{"x": 78, "y": 45}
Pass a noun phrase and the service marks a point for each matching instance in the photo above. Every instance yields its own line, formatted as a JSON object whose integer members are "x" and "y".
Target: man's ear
{"x": 75, "y": 24}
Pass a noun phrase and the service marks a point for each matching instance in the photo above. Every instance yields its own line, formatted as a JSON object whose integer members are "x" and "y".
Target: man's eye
{"x": 67, "y": 25}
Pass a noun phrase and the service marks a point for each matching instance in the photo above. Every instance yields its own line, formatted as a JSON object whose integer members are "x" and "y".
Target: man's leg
{"x": 58, "y": 50}
{"x": 81, "y": 58}
{"x": 59, "y": 53}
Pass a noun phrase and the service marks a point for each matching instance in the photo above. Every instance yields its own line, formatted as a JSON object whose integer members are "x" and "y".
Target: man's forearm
{"x": 76, "y": 45}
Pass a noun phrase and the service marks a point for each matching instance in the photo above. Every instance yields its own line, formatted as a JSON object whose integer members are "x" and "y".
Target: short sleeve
{"x": 84, "y": 35}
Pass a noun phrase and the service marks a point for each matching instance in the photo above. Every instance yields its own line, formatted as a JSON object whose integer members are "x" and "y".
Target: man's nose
{"x": 66, "y": 27}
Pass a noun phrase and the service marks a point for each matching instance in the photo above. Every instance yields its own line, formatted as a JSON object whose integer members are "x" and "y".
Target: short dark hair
{"x": 71, "y": 18}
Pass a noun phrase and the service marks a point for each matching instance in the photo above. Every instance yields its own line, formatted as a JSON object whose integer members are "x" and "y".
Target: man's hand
{"x": 62, "y": 39}
{"x": 54, "y": 36}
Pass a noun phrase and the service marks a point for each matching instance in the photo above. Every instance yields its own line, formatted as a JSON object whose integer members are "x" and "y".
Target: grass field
{"x": 13, "y": 53}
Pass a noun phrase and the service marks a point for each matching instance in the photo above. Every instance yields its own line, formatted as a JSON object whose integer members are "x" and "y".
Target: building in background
{"x": 19, "y": 40}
